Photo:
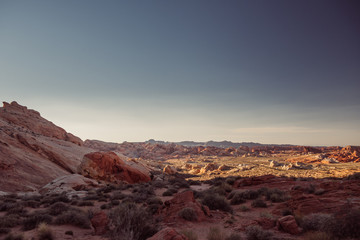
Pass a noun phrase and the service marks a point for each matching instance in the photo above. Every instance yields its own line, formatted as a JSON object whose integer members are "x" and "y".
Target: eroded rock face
{"x": 108, "y": 166}
{"x": 168, "y": 234}
{"x": 34, "y": 151}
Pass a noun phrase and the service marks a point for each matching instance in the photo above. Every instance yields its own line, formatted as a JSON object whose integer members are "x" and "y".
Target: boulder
{"x": 108, "y": 166}
{"x": 288, "y": 224}
{"x": 68, "y": 183}
{"x": 100, "y": 223}
{"x": 172, "y": 207}
{"x": 169, "y": 170}
{"x": 168, "y": 234}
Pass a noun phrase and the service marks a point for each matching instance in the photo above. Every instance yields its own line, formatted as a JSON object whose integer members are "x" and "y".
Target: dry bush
{"x": 12, "y": 236}
{"x": 215, "y": 234}
{"x": 189, "y": 234}
{"x": 234, "y": 236}
{"x": 58, "y": 208}
{"x": 128, "y": 222}
{"x": 75, "y": 217}
{"x": 54, "y": 198}
{"x": 259, "y": 203}
{"x": 255, "y": 232}
{"x": 216, "y": 202}
{"x": 44, "y": 232}
{"x": 188, "y": 214}
{"x": 33, "y": 220}
{"x": 237, "y": 198}
{"x": 318, "y": 236}
{"x": 9, "y": 221}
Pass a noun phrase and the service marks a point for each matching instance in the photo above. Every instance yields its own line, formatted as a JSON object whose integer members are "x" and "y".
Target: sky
{"x": 280, "y": 71}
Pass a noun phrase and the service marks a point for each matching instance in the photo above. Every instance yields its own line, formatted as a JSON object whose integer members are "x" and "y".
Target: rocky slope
{"x": 33, "y": 150}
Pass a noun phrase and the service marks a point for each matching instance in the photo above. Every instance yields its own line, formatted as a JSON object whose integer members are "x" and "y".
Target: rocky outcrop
{"x": 108, "y": 166}
{"x": 288, "y": 224}
{"x": 34, "y": 151}
{"x": 100, "y": 223}
{"x": 180, "y": 201}
{"x": 68, "y": 183}
{"x": 168, "y": 234}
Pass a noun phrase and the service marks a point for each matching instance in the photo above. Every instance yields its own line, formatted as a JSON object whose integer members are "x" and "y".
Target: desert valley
{"x": 53, "y": 185}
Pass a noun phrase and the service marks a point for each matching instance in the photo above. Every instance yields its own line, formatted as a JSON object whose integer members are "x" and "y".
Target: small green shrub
{"x": 188, "y": 214}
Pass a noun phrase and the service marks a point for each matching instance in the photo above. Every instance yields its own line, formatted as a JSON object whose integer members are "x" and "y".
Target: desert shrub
{"x": 106, "y": 206}
{"x": 69, "y": 232}
{"x": 6, "y": 206}
{"x": 258, "y": 203}
{"x": 36, "y": 198}
{"x": 31, "y": 203}
{"x": 250, "y": 194}
{"x": 216, "y": 202}
{"x": 348, "y": 225}
{"x": 91, "y": 197}
{"x": 189, "y": 234}
{"x": 188, "y": 214}
{"x": 118, "y": 195}
{"x": 58, "y": 208}
{"x": 55, "y": 198}
{"x": 316, "y": 222}
{"x": 35, "y": 219}
{"x": 170, "y": 192}
{"x": 9, "y": 221}
{"x": 354, "y": 176}
{"x": 19, "y": 210}
{"x": 44, "y": 232}
{"x": 230, "y": 180}
{"x": 85, "y": 203}
{"x": 131, "y": 223}
{"x": 12, "y": 236}
{"x": 310, "y": 189}
{"x": 255, "y": 232}
{"x": 274, "y": 194}
{"x": 318, "y": 236}
{"x": 178, "y": 182}
{"x": 115, "y": 202}
{"x": 237, "y": 198}
{"x": 143, "y": 189}
{"x": 153, "y": 208}
{"x": 319, "y": 191}
{"x": 244, "y": 208}
{"x": 4, "y": 230}
{"x": 154, "y": 200}
{"x": 74, "y": 217}
{"x": 233, "y": 236}
{"x": 158, "y": 184}
{"x": 215, "y": 234}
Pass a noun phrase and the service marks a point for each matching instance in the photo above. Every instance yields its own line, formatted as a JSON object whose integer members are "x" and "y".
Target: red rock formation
{"x": 100, "y": 223}
{"x": 109, "y": 167}
{"x": 168, "y": 234}
{"x": 33, "y": 151}
{"x": 288, "y": 224}
{"x": 172, "y": 207}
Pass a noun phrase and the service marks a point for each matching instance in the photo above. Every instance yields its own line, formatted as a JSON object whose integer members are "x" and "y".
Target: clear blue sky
{"x": 267, "y": 71}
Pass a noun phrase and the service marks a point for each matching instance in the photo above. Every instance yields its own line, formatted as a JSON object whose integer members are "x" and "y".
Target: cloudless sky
{"x": 266, "y": 71}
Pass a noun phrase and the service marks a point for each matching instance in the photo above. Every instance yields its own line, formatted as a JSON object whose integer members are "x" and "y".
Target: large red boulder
{"x": 180, "y": 201}
{"x": 108, "y": 166}
{"x": 168, "y": 234}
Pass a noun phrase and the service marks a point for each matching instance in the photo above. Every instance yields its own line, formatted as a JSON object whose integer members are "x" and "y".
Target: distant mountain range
{"x": 222, "y": 144}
